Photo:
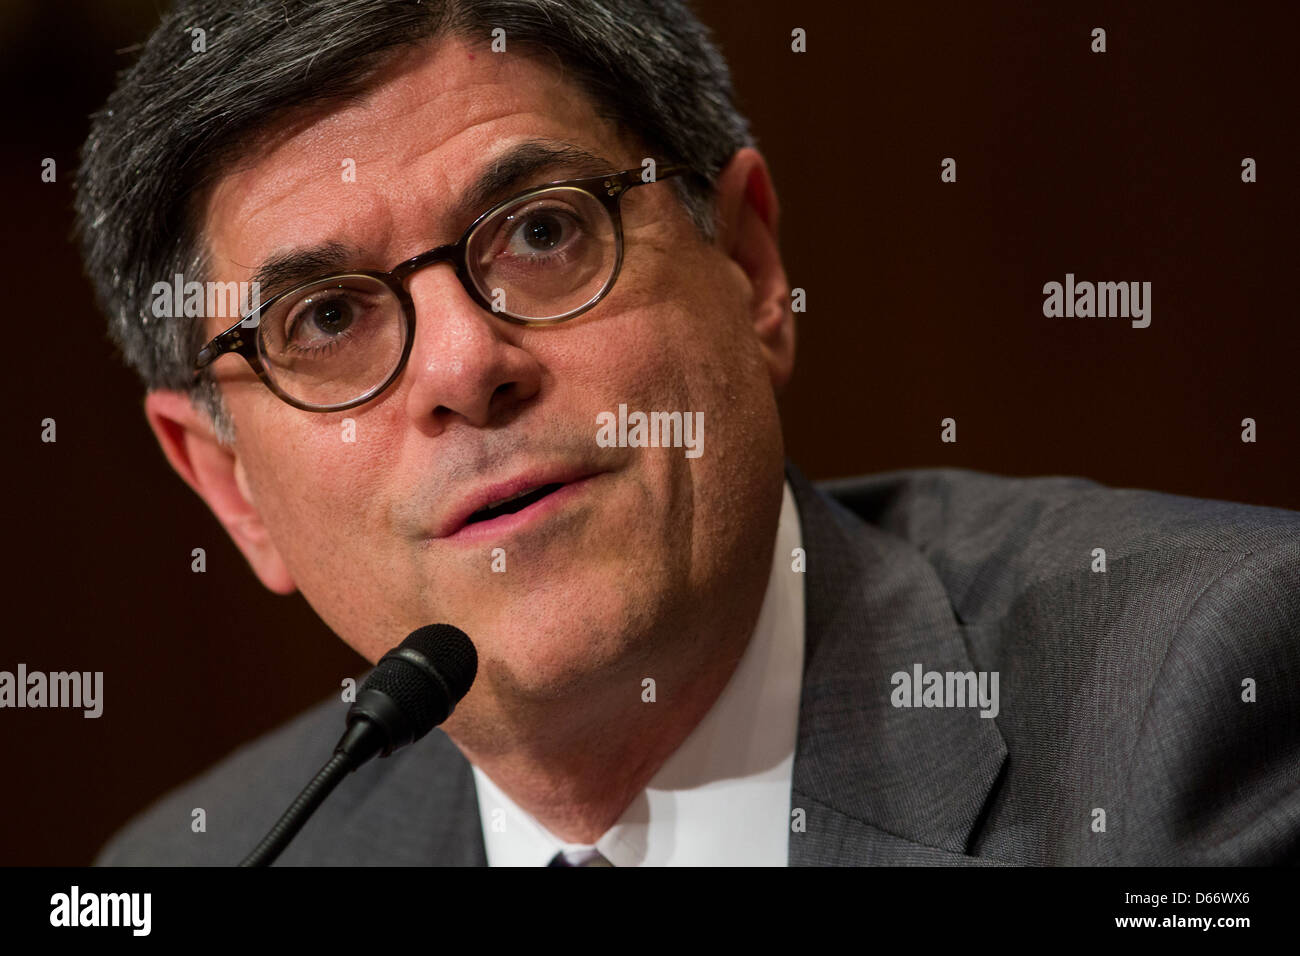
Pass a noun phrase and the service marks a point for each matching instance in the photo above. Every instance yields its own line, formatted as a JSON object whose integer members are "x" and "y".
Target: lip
{"x": 454, "y": 527}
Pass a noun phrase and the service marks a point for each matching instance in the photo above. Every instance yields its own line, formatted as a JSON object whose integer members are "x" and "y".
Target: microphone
{"x": 412, "y": 689}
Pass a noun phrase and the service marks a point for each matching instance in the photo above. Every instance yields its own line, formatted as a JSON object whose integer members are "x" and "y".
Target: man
{"x": 687, "y": 653}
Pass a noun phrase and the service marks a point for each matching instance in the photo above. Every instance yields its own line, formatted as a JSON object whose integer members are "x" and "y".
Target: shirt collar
{"x": 723, "y": 796}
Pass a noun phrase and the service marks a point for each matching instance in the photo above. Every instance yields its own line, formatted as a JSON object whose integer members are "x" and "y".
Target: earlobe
{"x": 748, "y": 217}
{"x": 218, "y": 476}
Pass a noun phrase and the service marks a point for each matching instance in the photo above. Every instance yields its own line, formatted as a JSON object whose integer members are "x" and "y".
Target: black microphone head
{"x": 424, "y": 677}
{"x": 450, "y": 651}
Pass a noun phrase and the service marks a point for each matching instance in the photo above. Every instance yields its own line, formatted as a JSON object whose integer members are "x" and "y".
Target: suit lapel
{"x": 878, "y": 783}
{"x": 419, "y": 808}
{"x": 457, "y": 829}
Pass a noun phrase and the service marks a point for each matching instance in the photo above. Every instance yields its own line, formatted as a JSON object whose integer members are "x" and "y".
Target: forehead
{"x": 379, "y": 173}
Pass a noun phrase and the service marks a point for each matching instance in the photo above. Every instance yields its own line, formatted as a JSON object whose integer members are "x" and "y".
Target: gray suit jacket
{"x": 1120, "y": 691}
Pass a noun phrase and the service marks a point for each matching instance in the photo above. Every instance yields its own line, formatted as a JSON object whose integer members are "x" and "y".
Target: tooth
{"x": 497, "y": 504}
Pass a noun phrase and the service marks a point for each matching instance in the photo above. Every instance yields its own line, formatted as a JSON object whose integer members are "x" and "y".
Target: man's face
{"x": 641, "y": 545}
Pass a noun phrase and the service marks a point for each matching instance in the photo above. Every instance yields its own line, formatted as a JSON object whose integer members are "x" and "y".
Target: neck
{"x": 576, "y": 763}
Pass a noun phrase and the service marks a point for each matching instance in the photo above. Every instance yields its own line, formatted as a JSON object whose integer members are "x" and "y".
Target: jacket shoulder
{"x": 991, "y": 538}
{"x": 241, "y": 796}
{"x": 415, "y": 808}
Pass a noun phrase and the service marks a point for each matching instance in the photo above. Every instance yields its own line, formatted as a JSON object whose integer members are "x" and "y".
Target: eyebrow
{"x": 515, "y": 169}
{"x": 286, "y": 270}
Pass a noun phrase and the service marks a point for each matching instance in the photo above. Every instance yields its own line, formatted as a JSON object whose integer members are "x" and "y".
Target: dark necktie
{"x": 595, "y": 859}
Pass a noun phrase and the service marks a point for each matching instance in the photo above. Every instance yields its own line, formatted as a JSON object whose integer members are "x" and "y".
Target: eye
{"x": 327, "y": 317}
{"x": 538, "y": 233}
{"x": 319, "y": 316}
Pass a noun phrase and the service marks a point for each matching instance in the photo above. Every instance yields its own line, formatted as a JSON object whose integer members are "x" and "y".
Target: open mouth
{"x": 509, "y": 506}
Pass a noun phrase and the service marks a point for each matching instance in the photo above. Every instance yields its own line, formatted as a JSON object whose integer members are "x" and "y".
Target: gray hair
{"x": 178, "y": 117}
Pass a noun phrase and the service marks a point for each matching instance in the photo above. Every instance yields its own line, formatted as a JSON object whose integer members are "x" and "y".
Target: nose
{"x": 463, "y": 365}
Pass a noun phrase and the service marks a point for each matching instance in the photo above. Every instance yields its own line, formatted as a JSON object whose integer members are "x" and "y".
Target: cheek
{"x": 677, "y": 332}
{"x": 703, "y": 353}
{"x": 320, "y": 498}
{"x": 694, "y": 351}
{"x": 315, "y": 478}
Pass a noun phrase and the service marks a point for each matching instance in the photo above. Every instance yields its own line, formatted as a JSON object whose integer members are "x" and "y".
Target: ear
{"x": 216, "y": 473}
{"x": 747, "y": 219}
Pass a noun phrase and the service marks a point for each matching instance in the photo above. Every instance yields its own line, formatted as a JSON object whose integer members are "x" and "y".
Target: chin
{"x": 558, "y": 656}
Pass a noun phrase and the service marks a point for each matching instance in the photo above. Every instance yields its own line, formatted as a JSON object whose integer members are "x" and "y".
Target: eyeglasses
{"x": 541, "y": 257}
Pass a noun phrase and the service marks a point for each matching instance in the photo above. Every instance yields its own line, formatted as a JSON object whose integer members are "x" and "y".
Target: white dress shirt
{"x": 723, "y": 796}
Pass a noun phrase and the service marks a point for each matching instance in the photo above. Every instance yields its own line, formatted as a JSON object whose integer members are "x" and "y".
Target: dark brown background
{"x": 924, "y": 301}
